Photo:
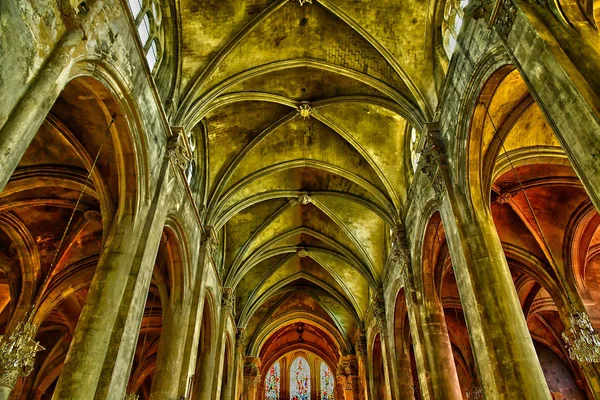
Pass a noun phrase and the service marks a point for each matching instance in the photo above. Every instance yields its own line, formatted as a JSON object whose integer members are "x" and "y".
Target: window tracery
{"x": 272, "y": 382}
{"x": 453, "y": 21}
{"x": 327, "y": 383}
{"x": 147, "y": 17}
{"x": 300, "y": 379}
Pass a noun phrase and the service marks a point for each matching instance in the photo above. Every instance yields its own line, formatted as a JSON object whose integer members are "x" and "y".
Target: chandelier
{"x": 581, "y": 339}
{"x": 17, "y": 354}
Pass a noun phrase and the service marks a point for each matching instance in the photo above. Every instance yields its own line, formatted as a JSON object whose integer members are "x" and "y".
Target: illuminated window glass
{"x": 414, "y": 142}
{"x": 136, "y": 7}
{"x": 272, "y": 382}
{"x": 147, "y": 16}
{"x": 152, "y": 55}
{"x": 327, "y": 383}
{"x": 144, "y": 29}
{"x": 453, "y": 22}
{"x": 300, "y": 380}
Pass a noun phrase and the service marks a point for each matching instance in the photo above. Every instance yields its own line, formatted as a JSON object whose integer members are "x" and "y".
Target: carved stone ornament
{"x": 432, "y": 158}
{"x": 228, "y": 300}
{"x": 240, "y": 338}
{"x": 401, "y": 249}
{"x": 478, "y": 9}
{"x": 503, "y": 198}
{"x": 361, "y": 346}
{"x": 177, "y": 152}
{"x": 251, "y": 375}
{"x": 209, "y": 240}
{"x": 302, "y": 2}
{"x": 505, "y": 17}
{"x": 304, "y": 199}
{"x": 302, "y": 253}
{"x": 17, "y": 354}
{"x": 378, "y": 311}
{"x": 305, "y": 109}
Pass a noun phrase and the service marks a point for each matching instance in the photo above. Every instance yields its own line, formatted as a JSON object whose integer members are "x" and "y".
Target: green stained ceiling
{"x": 305, "y": 204}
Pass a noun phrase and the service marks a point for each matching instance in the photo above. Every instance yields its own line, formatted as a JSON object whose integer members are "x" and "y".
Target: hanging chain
{"x": 582, "y": 340}
{"x": 50, "y": 273}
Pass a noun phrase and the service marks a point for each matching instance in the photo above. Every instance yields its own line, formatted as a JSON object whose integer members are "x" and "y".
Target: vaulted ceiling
{"x": 302, "y": 111}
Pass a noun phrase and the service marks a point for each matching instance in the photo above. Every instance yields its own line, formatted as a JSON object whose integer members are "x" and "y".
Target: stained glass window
{"x": 272, "y": 382}
{"x": 300, "y": 380}
{"x": 327, "y": 383}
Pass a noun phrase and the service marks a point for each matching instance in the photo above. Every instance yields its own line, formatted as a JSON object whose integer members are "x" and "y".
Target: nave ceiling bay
{"x": 304, "y": 114}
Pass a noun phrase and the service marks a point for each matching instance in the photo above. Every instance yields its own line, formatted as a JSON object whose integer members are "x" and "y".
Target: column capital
{"x": 433, "y": 158}
{"x": 177, "y": 148}
{"x": 240, "y": 338}
{"x": 361, "y": 346}
{"x": 209, "y": 241}
{"x": 228, "y": 300}
{"x": 252, "y": 371}
{"x": 400, "y": 247}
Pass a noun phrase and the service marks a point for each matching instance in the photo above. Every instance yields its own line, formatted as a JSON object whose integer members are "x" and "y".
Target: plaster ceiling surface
{"x": 304, "y": 204}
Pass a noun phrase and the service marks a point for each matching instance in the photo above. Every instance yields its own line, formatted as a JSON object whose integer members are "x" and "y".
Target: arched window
{"x": 272, "y": 382}
{"x": 453, "y": 20}
{"x": 147, "y": 17}
{"x": 300, "y": 379}
{"x": 327, "y": 383}
{"x": 414, "y": 142}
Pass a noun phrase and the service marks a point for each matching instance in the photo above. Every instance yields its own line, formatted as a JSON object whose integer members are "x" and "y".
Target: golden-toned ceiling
{"x": 304, "y": 203}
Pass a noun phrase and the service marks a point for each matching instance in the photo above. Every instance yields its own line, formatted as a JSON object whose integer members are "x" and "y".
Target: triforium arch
{"x": 385, "y": 199}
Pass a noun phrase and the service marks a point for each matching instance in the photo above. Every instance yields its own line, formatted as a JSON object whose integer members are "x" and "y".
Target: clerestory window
{"x": 147, "y": 17}
{"x": 453, "y": 21}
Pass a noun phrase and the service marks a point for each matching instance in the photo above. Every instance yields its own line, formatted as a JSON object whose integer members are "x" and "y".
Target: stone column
{"x": 348, "y": 377}
{"x": 433, "y": 351}
{"x": 100, "y": 356}
{"x": 563, "y": 93}
{"x": 251, "y": 378}
{"x": 227, "y": 308}
{"x": 239, "y": 349}
{"x": 502, "y": 347}
{"x": 165, "y": 379}
{"x": 27, "y": 116}
{"x": 208, "y": 243}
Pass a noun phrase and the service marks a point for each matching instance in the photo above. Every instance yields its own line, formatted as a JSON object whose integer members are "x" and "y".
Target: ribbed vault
{"x": 304, "y": 112}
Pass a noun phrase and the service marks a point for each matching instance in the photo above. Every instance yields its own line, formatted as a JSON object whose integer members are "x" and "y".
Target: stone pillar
{"x": 165, "y": 379}
{"x": 381, "y": 324}
{"x": 348, "y": 377}
{"x": 239, "y": 349}
{"x": 404, "y": 370}
{"x": 27, "y": 116}
{"x": 433, "y": 351}
{"x": 100, "y": 356}
{"x": 251, "y": 378}
{"x": 566, "y": 98}
{"x": 504, "y": 354}
{"x": 359, "y": 378}
{"x": 208, "y": 243}
{"x": 227, "y": 308}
